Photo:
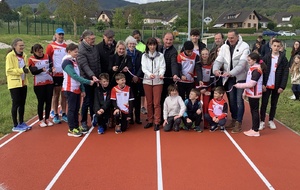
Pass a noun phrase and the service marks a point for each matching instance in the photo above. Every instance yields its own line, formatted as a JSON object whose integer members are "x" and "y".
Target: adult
{"x": 16, "y": 73}
{"x": 89, "y": 62}
{"x": 233, "y": 58}
{"x": 172, "y": 69}
{"x": 153, "y": 67}
{"x": 259, "y": 40}
{"x": 136, "y": 84}
{"x": 140, "y": 44}
{"x": 56, "y": 51}
{"x": 195, "y": 38}
{"x": 295, "y": 51}
{"x": 40, "y": 66}
{"x": 106, "y": 48}
{"x": 266, "y": 49}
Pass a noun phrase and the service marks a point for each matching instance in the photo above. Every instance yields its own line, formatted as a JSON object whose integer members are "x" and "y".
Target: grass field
{"x": 287, "y": 110}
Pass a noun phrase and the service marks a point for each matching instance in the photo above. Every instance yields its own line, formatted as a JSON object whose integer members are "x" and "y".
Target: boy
{"x": 217, "y": 110}
{"x": 102, "y": 104}
{"x": 186, "y": 61}
{"x": 193, "y": 111}
{"x": 174, "y": 109}
{"x": 274, "y": 81}
{"x": 122, "y": 101}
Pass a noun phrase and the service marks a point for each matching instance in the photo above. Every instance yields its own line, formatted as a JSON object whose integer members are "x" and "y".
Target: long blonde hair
{"x": 295, "y": 69}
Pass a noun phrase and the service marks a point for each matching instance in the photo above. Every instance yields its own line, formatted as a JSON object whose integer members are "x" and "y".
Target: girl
{"x": 16, "y": 72}
{"x": 295, "y": 76}
{"x": 72, "y": 87}
{"x": 253, "y": 90}
{"x": 41, "y": 67}
{"x": 153, "y": 67}
{"x": 120, "y": 62}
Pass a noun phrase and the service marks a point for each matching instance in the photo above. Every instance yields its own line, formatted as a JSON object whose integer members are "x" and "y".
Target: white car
{"x": 287, "y": 33}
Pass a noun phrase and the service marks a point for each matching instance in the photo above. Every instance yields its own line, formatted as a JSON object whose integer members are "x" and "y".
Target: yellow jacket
{"x": 14, "y": 72}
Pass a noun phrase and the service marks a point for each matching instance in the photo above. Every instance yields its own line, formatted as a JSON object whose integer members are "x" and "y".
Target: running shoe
{"x": 198, "y": 129}
{"x": 100, "y": 130}
{"x": 26, "y": 126}
{"x": 49, "y": 123}
{"x": 252, "y": 133}
{"x": 118, "y": 129}
{"x": 19, "y": 128}
{"x": 213, "y": 128}
{"x": 261, "y": 125}
{"x": 272, "y": 125}
{"x": 64, "y": 117}
{"x": 143, "y": 110}
{"x": 42, "y": 124}
{"x": 74, "y": 133}
{"x": 56, "y": 119}
{"x": 83, "y": 130}
{"x": 52, "y": 114}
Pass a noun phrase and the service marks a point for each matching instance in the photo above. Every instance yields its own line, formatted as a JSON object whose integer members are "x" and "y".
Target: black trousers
{"x": 172, "y": 124}
{"x": 195, "y": 118}
{"x": 184, "y": 89}
{"x": 122, "y": 119}
{"x": 88, "y": 102}
{"x": 254, "y": 107}
{"x": 264, "y": 103}
{"x": 18, "y": 96}
{"x": 44, "y": 96}
{"x": 136, "y": 89}
{"x": 73, "y": 109}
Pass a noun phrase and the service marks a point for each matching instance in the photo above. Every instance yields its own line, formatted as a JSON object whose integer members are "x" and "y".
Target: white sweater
{"x": 156, "y": 66}
{"x": 173, "y": 106}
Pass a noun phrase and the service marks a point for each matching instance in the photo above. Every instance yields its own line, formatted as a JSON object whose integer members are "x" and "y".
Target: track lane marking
{"x": 258, "y": 172}
{"x": 60, "y": 171}
{"x": 159, "y": 168}
{"x": 15, "y": 136}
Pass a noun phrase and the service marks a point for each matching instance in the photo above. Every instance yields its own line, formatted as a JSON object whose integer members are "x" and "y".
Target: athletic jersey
{"x": 122, "y": 97}
{"x": 271, "y": 79}
{"x": 44, "y": 77}
{"x": 257, "y": 89}
{"x": 217, "y": 108}
{"x": 70, "y": 84}
{"x": 188, "y": 66}
{"x": 196, "y": 51}
{"x": 206, "y": 71}
{"x": 57, "y": 51}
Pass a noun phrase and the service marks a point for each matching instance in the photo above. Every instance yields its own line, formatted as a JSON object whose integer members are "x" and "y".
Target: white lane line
{"x": 60, "y": 171}
{"x": 262, "y": 177}
{"x": 13, "y": 137}
{"x": 159, "y": 168}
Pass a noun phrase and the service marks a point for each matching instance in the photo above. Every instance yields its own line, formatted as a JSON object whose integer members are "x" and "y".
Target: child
{"x": 274, "y": 82}
{"x": 193, "y": 111}
{"x": 295, "y": 76}
{"x": 72, "y": 88}
{"x": 122, "y": 101}
{"x": 187, "y": 60}
{"x": 41, "y": 67}
{"x": 253, "y": 90}
{"x": 217, "y": 110}
{"x": 102, "y": 103}
{"x": 174, "y": 109}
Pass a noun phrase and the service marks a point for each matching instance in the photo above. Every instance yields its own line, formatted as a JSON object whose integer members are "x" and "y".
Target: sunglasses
{"x": 61, "y": 34}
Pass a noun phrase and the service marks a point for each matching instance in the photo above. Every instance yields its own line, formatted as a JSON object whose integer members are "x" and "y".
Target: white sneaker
{"x": 293, "y": 97}
{"x": 42, "y": 124}
{"x": 272, "y": 125}
{"x": 49, "y": 123}
{"x": 261, "y": 125}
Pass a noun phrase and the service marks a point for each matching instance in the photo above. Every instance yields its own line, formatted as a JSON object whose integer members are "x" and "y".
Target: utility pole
{"x": 189, "y": 21}
{"x": 202, "y": 19}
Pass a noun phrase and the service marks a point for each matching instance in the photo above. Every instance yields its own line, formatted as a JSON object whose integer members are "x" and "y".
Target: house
{"x": 170, "y": 20}
{"x": 238, "y": 19}
{"x": 152, "y": 20}
{"x": 263, "y": 21}
{"x": 284, "y": 19}
{"x": 105, "y": 16}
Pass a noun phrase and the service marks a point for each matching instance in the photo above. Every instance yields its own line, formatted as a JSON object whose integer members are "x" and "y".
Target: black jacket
{"x": 105, "y": 52}
{"x": 121, "y": 62}
{"x": 282, "y": 70}
{"x": 99, "y": 102}
{"x": 138, "y": 64}
{"x": 88, "y": 60}
{"x": 170, "y": 56}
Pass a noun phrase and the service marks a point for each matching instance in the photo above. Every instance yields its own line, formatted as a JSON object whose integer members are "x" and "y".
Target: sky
{"x": 143, "y": 1}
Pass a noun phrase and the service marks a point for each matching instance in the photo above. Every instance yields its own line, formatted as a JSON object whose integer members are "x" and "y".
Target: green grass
{"x": 287, "y": 110}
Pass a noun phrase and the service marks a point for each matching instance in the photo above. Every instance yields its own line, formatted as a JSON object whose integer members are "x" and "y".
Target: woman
{"x": 119, "y": 62}
{"x": 295, "y": 51}
{"x": 136, "y": 84}
{"x": 16, "y": 72}
{"x": 153, "y": 67}
{"x": 40, "y": 66}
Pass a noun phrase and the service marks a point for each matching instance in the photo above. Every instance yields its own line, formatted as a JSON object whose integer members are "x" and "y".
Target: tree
{"x": 118, "y": 19}
{"x": 296, "y": 22}
{"x": 6, "y": 13}
{"x": 136, "y": 19}
{"x": 26, "y": 11}
{"x": 271, "y": 25}
{"x": 294, "y": 8}
{"x": 75, "y": 11}
{"x": 100, "y": 26}
{"x": 43, "y": 10}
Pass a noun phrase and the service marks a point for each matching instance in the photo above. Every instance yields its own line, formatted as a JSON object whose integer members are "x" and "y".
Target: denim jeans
{"x": 235, "y": 99}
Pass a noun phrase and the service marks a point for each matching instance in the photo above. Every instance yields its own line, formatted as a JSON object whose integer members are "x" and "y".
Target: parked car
{"x": 287, "y": 33}
{"x": 270, "y": 33}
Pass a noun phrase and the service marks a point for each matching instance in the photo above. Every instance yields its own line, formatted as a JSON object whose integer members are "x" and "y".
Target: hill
{"x": 104, "y": 4}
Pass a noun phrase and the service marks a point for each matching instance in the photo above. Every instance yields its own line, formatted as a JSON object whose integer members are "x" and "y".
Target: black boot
{"x": 156, "y": 127}
{"x": 148, "y": 125}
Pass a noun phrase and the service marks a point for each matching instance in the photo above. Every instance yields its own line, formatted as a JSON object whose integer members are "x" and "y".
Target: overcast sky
{"x": 143, "y": 1}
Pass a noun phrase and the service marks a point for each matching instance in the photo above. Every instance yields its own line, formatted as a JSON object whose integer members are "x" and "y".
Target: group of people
{"x": 112, "y": 80}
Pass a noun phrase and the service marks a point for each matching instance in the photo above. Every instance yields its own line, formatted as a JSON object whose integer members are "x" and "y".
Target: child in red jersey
{"x": 217, "y": 110}
{"x": 122, "y": 101}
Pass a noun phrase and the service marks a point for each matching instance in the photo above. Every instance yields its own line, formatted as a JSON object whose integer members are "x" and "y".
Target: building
{"x": 285, "y": 19}
{"x": 105, "y": 16}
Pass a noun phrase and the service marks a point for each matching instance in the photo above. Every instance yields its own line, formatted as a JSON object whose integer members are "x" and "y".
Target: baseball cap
{"x": 109, "y": 33}
{"x": 59, "y": 31}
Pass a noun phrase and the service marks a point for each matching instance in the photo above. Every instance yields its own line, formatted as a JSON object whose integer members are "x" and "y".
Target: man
{"x": 89, "y": 62}
{"x": 172, "y": 70}
{"x": 56, "y": 51}
{"x": 106, "y": 48}
{"x": 266, "y": 49}
{"x": 218, "y": 39}
{"x": 233, "y": 57}
{"x": 274, "y": 81}
{"x": 140, "y": 44}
